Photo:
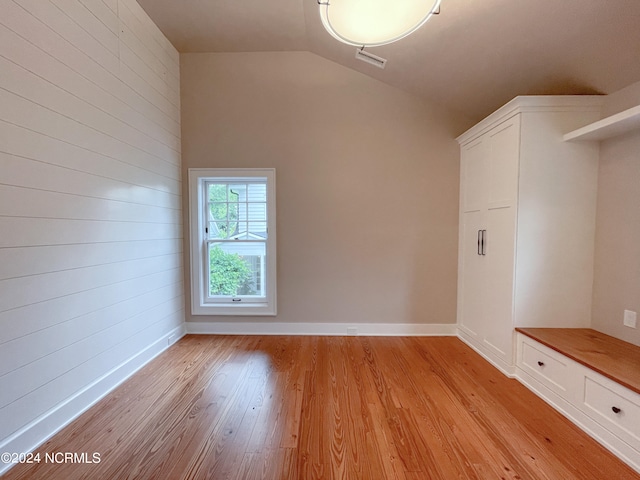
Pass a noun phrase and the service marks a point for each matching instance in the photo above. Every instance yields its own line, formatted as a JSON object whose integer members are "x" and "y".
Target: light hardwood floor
{"x": 265, "y": 407}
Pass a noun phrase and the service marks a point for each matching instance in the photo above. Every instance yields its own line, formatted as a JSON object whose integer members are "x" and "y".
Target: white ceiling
{"x": 473, "y": 57}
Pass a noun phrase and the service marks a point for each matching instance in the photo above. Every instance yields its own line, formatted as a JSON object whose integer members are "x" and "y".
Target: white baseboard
{"x": 329, "y": 329}
{"x": 507, "y": 370}
{"x": 41, "y": 429}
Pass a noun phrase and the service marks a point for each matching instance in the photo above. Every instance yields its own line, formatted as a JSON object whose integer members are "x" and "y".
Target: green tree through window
{"x": 223, "y": 209}
{"x": 230, "y": 274}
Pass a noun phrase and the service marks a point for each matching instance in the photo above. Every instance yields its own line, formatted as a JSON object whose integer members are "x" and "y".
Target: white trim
{"x": 507, "y": 370}
{"x": 329, "y": 329}
{"x": 48, "y": 424}
{"x": 534, "y": 103}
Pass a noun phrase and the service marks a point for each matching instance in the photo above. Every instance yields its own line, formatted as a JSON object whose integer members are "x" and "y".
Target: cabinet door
{"x": 473, "y": 200}
{"x": 488, "y": 201}
{"x": 471, "y": 285}
{"x": 503, "y": 150}
{"x": 499, "y": 282}
{"x": 502, "y": 145}
{"x": 473, "y": 176}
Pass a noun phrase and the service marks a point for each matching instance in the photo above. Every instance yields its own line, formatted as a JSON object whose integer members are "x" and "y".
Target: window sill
{"x": 245, "y": 310}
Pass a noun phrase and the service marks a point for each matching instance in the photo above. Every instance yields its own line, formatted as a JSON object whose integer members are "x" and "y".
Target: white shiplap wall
{"x": 90, "y": 221}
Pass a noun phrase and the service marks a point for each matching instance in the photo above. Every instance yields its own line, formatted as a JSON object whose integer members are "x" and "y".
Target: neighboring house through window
{"x": 232, "y": 214}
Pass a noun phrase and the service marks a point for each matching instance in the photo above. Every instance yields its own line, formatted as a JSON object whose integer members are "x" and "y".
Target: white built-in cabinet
{"x": 527, "y": 223}
{"x": 605, "y": 409}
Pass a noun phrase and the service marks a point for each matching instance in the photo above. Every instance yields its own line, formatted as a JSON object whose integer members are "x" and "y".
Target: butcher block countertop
{"x": 609, "y": 356}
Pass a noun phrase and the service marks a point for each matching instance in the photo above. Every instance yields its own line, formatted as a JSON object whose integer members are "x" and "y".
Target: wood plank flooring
{"x": 269, "y": 407}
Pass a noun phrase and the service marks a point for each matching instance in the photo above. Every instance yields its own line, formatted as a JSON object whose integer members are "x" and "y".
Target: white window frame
{"x": 201, "y": 303}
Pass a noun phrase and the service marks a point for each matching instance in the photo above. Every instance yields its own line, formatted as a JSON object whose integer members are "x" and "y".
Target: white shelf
{"x": 612, "y": 126}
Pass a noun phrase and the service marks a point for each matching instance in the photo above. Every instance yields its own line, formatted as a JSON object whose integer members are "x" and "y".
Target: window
{"x": 233, "y": 235}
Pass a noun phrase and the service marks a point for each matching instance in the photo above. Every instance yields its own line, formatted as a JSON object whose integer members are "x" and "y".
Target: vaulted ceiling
{"x": 473, "y": 57}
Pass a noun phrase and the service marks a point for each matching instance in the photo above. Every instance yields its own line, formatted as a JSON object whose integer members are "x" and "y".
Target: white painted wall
{"x": 616, "y": 284}
{"x": 91, "y": 277}
{"x": 367, "y": 188}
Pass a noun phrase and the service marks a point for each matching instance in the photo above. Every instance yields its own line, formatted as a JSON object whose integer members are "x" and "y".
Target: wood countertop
{"x": 609, "y": 356}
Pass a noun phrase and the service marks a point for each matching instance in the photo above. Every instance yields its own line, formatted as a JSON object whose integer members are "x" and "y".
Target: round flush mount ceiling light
{"x": 371, "y": 23}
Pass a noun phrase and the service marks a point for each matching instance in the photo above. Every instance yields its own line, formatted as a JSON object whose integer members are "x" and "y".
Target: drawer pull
{"x": 541, "y": 364}
{"x": 616, "y": 409}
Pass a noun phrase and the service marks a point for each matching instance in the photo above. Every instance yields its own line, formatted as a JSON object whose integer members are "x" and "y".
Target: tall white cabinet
{"x": 527, "y": 223}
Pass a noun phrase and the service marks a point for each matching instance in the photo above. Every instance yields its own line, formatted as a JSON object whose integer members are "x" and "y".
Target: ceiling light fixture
{"x": 371, "y": 23}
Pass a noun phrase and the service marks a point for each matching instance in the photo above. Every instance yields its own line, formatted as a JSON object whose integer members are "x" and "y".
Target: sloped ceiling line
{"x": 472, "y": 58}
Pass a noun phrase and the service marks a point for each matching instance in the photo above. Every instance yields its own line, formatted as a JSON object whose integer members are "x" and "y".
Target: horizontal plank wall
{"x": 91, "y": 282}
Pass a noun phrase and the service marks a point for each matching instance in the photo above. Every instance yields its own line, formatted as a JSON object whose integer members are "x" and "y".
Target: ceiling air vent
{"x": 370, "y": 58}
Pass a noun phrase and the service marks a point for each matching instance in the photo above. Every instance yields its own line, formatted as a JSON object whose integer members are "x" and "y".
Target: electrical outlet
{"x": 630, "y": 319}
{"x": 352, "y": 331}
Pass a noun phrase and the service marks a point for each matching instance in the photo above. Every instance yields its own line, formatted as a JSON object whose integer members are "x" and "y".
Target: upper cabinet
{"x": 527, "y": 223}
{"x": 609, "y": 127}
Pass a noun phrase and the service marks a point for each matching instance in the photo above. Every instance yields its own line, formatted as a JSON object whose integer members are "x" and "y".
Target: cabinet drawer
{"x": 614, "y": 407}
{"x": 545, "y": 365}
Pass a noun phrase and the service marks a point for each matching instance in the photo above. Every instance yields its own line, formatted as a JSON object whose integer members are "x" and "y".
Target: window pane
{"x": 241, "y": 230}
{"x": 236, "y": 192}
{"x": 242, "y": 214}
{"x": 218, "y": 230}
{"x": 218, "y": 211}
{"x": 257, "y": 192}
{"x": 257, "y": 211}
{"x": 217, "y": 192}
{"x": 236, "y": 268}
{"x": 257, "y": 230}
{"x": 239, "y": 210}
